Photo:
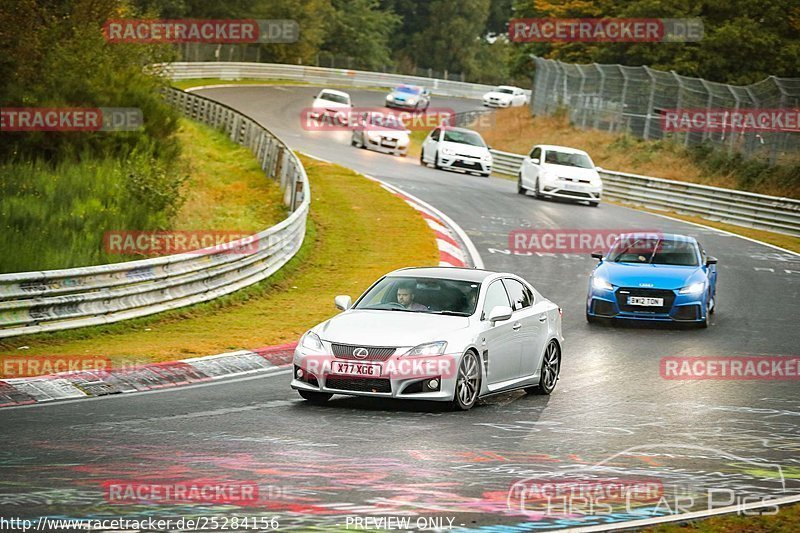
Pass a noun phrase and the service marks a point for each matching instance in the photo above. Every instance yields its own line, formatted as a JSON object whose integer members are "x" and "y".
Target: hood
{"x": 388, "y": 328}
{"x": 467, "y": 149}
{"x": 649, "y": 276}
{"x": 571, "y": 172}
{"x": 400, "y": 95}
{"x": 499, "y": 96}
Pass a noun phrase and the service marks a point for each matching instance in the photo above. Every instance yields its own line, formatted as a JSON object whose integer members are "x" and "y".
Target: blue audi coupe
{"x": 656, "y": 277}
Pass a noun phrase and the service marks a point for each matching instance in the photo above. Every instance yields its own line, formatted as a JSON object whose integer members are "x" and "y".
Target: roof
{"x": 456, "y": 273}
{"x": 658, "y": 235}
{"x": 566, "y": 149}
{"x": 507, "y": 87}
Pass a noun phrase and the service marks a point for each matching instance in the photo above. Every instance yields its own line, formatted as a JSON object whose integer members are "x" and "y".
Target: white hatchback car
{"x": 505, "y": 96}
{"x": 561, "y": 172}
{"x": 456, "y": 149}
{"x": 332, "y": 103}
{"x": 440, "y": 333}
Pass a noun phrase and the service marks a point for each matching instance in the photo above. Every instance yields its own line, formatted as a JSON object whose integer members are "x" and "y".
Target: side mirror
{"x": 599, "y": 169}
{"x": 535, "y": 160}
{"x": 343, "y": 302}
{"x": 597, "y": 255}
{"x": 488, "y": 147}
{"x": 499, "y": 313}
{"x": 711, "y": 261}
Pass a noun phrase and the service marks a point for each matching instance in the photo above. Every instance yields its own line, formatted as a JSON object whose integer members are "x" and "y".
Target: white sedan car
{"x": 505, "y": 96}
{"x": 332, "y": 103}
{"x": 561, "y": 172}
{"x": 381, "y": 132}
{"x": 440, "y": 333}
{"x": 456, "y": 149}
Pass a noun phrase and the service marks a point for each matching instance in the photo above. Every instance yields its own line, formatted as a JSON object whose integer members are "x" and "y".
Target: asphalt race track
{"x": 612, "y": 415}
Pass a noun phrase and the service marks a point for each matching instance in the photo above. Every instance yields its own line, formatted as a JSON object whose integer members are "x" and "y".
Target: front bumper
{"x": 677, "y": 307}
{"x": 403, "y": 104}
{"x": 572, "y": 191}
{"x": 466, "y": 163}
{"x": 384, "y": 145}
{"x": 387, "y": 384}
{"x": 489, "y": 102}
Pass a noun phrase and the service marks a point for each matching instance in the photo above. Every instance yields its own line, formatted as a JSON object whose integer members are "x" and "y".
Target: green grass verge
{"x": 357, "y": 232}
{"x": 787, "y": 520}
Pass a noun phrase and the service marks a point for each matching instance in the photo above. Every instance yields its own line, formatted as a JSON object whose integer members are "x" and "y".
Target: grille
{"x": 376, "y": 353}
{"x": 467, "y": 164}
{"x": 687, "y": 312}
{"x": 624, "y": 292}
{"x": 358, "y": 384}
{"x": 576, "y": 194}
{"x": 603, "y": 308}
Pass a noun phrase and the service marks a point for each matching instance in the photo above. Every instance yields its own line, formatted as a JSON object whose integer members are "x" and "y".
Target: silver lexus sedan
{"x": 440, "y": 333}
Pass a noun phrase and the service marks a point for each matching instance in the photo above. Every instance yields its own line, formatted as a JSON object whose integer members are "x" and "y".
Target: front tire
{"x": 468, "y": 382}
{"x": 536, "y": 193}
{"x": 422, "y": 158}
{"x": 551, "y": 369}
{"x": 313, "y": 397}
{"x": 436, "y": 164}
{"x": 520, "y": 188}
{"x": 594, "y": 204}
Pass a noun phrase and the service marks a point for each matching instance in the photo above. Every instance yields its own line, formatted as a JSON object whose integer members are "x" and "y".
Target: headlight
{"x": 694, "y": 288}
{"x": 390, "y": 98}
{"x": 431, "y": 348}
{"x": 448, "y": 151}
{"x": 413, "y": 100}
{"x": 311, "y": 341}
{"x": 601, "y": 284}
{"x": 373, "y": 136}
{"x": 487, "y": 157}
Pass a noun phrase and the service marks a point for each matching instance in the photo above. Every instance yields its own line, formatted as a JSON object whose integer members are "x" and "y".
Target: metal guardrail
{"x": 320, "y": 75}
{"x": 781, "y": 215}
{"x": 33, "y": 302}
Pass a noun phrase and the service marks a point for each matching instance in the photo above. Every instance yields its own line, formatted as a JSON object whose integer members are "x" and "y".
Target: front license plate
{"x": 646, "y": 302}
{"x": 356, "y": 369}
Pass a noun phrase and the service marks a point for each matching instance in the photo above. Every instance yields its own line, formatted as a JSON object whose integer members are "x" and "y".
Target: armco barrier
{"x": 318, "y": 75}
{"x": 746, "y": 209}
{"x": 33, "y": 302}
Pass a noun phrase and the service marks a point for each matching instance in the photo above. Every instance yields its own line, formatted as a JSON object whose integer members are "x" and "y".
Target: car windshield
{"x": 332, "y": 97}
{"x": 505, "y": 90}
{"x": 408, "y": 89}
{"x": 386, "y": 121}
{"x": 655, "y": 252}
{"x": 463, "y": 137}
{"x": 422, "y": 295}
{"x": 568, "y": 159}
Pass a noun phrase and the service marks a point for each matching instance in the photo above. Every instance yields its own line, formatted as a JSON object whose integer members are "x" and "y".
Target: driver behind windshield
{"x": 406, "y": 295}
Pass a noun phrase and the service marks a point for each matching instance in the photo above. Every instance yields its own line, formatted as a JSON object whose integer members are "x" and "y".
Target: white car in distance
{"x": 381, "y": 132}
{"x": 331, "y": 103}
{"x": 505, "y": 96}
{"x": 561, "y": 172}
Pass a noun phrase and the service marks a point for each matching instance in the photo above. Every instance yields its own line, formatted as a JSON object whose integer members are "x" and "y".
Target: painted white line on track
{"x": 274, "y": 371}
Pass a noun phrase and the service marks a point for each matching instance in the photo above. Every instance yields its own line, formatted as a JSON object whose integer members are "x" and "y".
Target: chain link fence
{"x": 618, "y": 99}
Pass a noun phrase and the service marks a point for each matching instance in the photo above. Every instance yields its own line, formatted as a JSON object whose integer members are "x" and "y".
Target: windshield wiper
{"x": 452, "y": 313}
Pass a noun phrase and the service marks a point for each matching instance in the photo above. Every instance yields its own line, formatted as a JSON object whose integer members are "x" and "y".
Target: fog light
{"x": 433, "y": 383}
{"x": 299, "y": 373}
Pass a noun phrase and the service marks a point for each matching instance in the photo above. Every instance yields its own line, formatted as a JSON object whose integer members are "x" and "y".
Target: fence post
{"x": 601, "y": 97}
{"x": 622, "y": 98}
{"x": 650, "y": 102}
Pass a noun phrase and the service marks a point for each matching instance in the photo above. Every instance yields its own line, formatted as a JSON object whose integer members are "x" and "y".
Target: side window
{"x": 435, "y": 134}
{"x": 495, "y": 295}
{"x": 519, "y": 294}
{"x": 536, "y": 153}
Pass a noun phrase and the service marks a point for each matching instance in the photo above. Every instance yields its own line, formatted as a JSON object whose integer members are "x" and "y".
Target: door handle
{"x": 516, "y": 326}
{"x": 542, "y": 318}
